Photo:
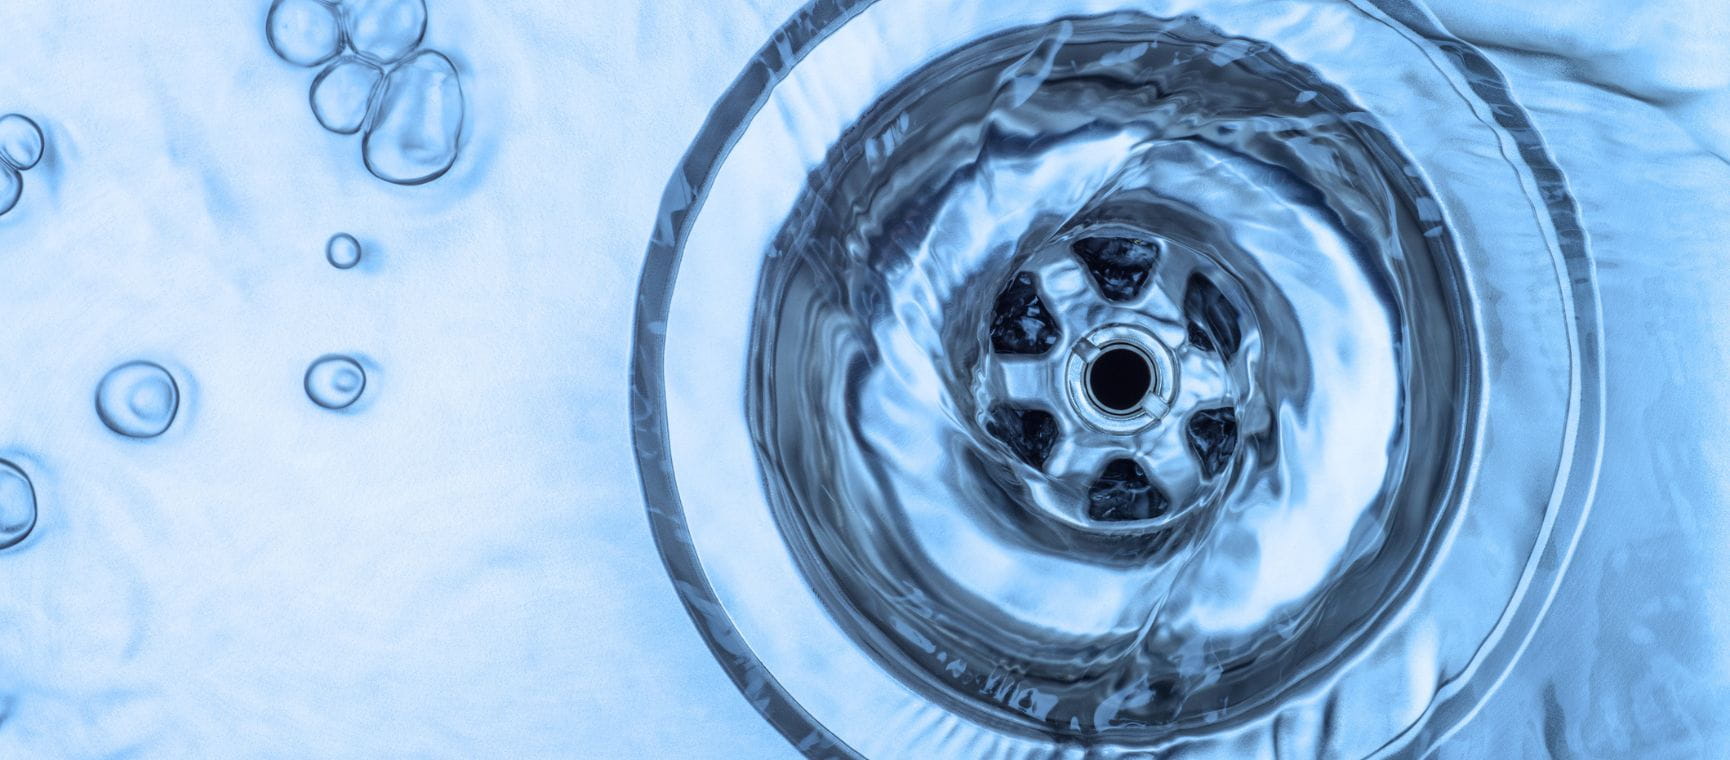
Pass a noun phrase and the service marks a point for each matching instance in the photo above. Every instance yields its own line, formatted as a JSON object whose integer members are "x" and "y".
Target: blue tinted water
{"x": 460, "y": 564}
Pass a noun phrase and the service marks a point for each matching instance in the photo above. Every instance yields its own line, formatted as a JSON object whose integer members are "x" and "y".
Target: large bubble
{"x": 384, "y": 30}
{"x": 17, "y": 505}
{"x": 11, "y": 186}
{"x": 341, "y": 93}
{"x": 21, "y": 141}
{"x": 303, "y": 32}
{"x": 417, "y": 122}
{"x": 138, "y": 399}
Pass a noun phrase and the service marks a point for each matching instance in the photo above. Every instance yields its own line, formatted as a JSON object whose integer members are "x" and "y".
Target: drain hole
{"x": 1119, "y": 379}
{"x": 1198, "y": 337}
{"x": 1213, "y": 438}
{"x": 1120, "y": 266}
{"x": 1217, "y": 318}
{"x": 1030, "y": 433}
{"x": 1123, "y": 493}
{"x": 1020, "y": 323}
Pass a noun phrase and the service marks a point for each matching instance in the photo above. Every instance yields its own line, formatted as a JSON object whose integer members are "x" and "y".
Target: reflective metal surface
{"x": 985, "y": 602}
{"x": 392, "y": 504}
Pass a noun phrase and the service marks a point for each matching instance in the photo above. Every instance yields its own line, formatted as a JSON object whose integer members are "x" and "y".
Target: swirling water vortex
{"x": 1348, "y": 352}
{"x": 1354, "y": 321}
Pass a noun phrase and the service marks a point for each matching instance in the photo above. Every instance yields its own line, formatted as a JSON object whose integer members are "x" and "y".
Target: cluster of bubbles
{"x": 140, "y": 399}
{"x": 21, "y": 146}
{"x": 409, "y": 102}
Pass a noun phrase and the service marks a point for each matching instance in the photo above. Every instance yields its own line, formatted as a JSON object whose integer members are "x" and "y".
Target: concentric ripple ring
{"x": 814, "y": 380}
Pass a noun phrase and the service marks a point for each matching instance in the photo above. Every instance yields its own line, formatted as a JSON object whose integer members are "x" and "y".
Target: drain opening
{"x": 1030, "y": 433}
{"x": 1212, "y": 436}
{"x": 1122, "y": 492}
{"x": 985, "y": 617}
{"x": 1021, "y": 323}
{"x": 1119, "y": 379}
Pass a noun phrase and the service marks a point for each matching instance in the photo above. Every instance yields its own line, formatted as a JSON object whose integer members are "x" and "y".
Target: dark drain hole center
{"x": 1119, "y": 379}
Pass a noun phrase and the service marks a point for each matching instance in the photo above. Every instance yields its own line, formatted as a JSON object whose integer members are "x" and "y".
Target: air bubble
{"x": 384, "y": 30}
{"x": 137, "y": 399}
{"x": 21, "y": 141}
{"x": 343, "y": 251}
{"x": 17, "y": 505}
{"x": 335, "y": 382}
{"x": 417, "y": 122}
{"x": 341, "y": 93}
{"x": 11, "y": 186}
{"x": 1020, "y": 321}
{"x": 303, "y": 32}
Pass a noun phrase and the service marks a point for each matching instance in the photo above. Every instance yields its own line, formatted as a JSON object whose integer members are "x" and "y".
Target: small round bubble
{"x": 20, "y": 141}
{"x": 335, "y": 382}
{"x": 303, "y": 32}
{"x": 17, "y": 505}
{"x": 138, "y": 400}
{"x": 11, "y": 186}
{"x": 418, "y": 124}
{"x": 343, "y": 251}
{"x": 384, "y": 30}
{"x": 341, "y": 93}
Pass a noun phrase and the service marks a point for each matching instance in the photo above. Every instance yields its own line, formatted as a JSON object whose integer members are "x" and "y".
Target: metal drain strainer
{"x": 1077, "y": 381}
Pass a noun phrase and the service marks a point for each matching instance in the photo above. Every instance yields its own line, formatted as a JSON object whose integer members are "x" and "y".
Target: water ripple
{"x": 1113, "y": 380}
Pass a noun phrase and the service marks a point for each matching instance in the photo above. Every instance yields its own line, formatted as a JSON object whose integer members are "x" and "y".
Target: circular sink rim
{"x": 1565, "y": 510}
